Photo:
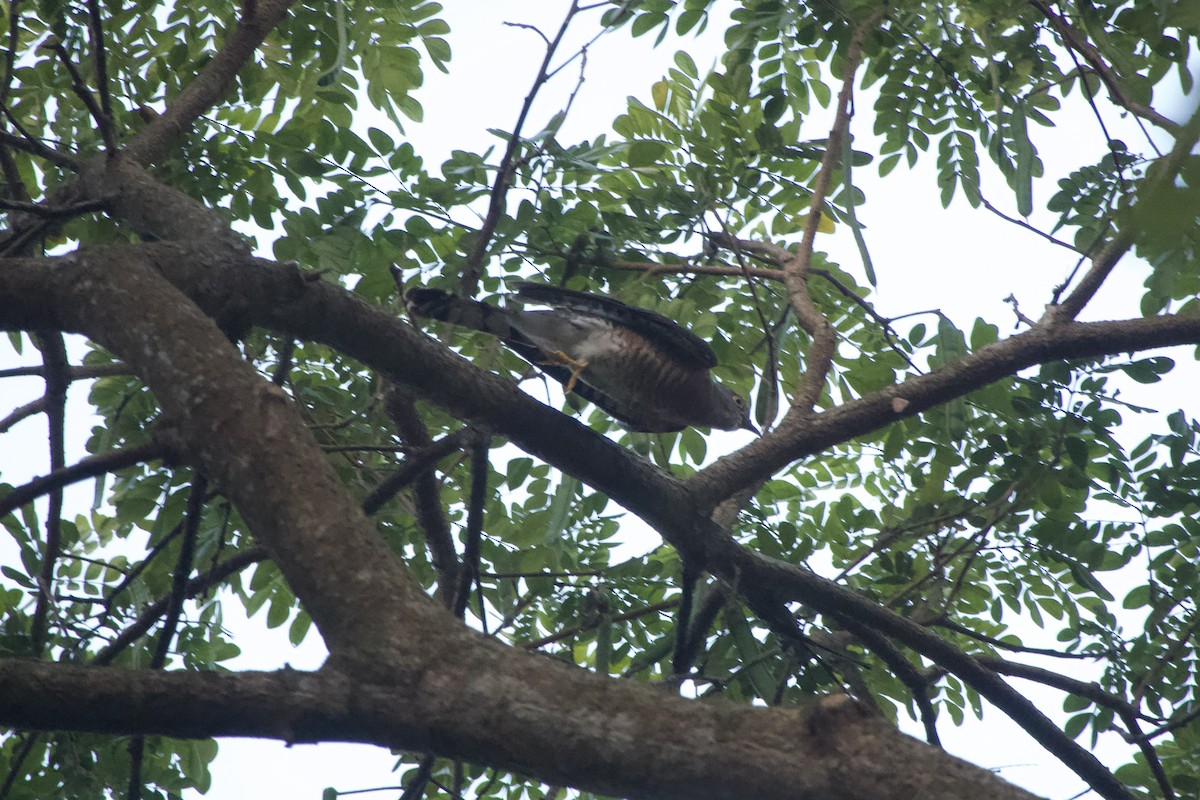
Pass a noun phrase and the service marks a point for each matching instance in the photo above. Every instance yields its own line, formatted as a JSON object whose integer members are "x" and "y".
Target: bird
{"x": 643, "y": 369}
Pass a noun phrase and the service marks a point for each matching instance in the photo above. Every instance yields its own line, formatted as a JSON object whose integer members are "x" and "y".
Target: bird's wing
{"x": 676, "y": 342}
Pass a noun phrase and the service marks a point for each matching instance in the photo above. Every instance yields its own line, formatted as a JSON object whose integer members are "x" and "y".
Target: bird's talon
{"x": 577, "y": 368}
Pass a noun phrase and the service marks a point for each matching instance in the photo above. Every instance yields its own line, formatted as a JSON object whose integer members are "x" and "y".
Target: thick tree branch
{"x": 871, "y": 412}
{"x": 688, "y": 750}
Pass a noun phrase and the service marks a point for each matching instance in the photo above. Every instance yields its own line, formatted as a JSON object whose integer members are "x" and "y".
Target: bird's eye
{"x": 739, "y": 401}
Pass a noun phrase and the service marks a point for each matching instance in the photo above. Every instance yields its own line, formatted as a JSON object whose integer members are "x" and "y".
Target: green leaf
{"x": 1026, "y": 156}
{"x": 645, "y": 152}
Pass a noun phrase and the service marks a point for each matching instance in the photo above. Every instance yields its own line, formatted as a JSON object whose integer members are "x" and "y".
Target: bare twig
{"x": 1172, "y": 725}
{"x": 951, "y": 625}
{"x": 20, "y": 753}
{"x": 431, "y": 515}
{"x": 1097, "y": 695}
{"x": 154, "y": 611}
{"x": 52, "y": 212}
{"x": 54, "y": 353}
{"x": 657, "y": 608}
{"x": 476, "y": 503}
{"x": 174, "y": 611}
{"x": 33, "y": 146}
{"x": 473, "y": 269}
{"x": 79, "y": 86}
{"x": 183, "y": 569}
{"x": 23, "y": 412}
{"x": 653, "y": 268}
{"x": 418, "y": 462}
{"x": 100, "y": 57}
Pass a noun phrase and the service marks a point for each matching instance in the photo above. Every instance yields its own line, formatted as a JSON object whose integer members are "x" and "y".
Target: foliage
{"x": 1002, "y": 519}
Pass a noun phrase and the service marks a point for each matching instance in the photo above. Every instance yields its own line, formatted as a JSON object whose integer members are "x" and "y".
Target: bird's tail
{"x": 440, "y": 305}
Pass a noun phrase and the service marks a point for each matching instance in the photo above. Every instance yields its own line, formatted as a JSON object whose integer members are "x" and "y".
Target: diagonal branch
{"x": 1160, "y": 176}
{"x": 820, "y": 354}
{"x": 80, "y": 88}
{"x": 89, "y": 467}
{"x": 1076, "y": 40}
{"x": 211, "y": 84}
{"x": 473, "y": 269}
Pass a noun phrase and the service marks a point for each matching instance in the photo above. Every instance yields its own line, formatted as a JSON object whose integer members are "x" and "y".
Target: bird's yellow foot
{"x": 577, "y": 367}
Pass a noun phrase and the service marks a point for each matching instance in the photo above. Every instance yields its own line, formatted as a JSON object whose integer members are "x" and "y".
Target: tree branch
{"x": 282, "y": 299}
{"x": 211, "y": 84}
{"x": 699, "y": 749}
{"x": 54, "y": 354}
{"x": 427, "y": 489}
{"x": 1161, "y": 175}
{"x": 89, "y": 467}
{"x": 1077, "y": 40}
{"x": 473, "y": 269}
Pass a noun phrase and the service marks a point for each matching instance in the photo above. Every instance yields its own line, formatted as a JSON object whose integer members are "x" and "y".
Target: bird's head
{"x": 734, "y": 412}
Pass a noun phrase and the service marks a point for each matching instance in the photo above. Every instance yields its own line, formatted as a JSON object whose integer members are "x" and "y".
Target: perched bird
{"x": 643, "y": 369}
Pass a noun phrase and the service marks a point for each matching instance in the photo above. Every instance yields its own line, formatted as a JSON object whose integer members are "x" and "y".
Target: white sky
{"x": 959, "y": 260}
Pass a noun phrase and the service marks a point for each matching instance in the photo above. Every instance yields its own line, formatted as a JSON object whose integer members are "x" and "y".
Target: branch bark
{"x": 614, "y": 738}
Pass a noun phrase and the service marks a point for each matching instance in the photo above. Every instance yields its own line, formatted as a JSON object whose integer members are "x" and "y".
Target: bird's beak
{"x": 747, "y": 425}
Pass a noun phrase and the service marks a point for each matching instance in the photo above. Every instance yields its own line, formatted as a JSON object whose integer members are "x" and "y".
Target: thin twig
{"x": 476, "y": 504}
{"x": 23, "y": 412}
{"x": 418, "y": 462}
{"x": 154, "y": 611}
{"x": 431, "y": 514}
{"x": 100, "y": 59}
{"x": 54, "y": 353}
{"x": 22, "y": 751}
{"x": 30, "y": 145}
{"x": 657, "y": 608}
{"x": 1162, "y": 175}
{"x": 174, "y": 611}
{"x": 79, "y": 87}
{"x": 416, "y": 787}
{"x": 89, "y": 467}
{"x": 52, "y": 212}
{"x": 183, "y": 569}
{"x": 473, "y": 269}
{"x": 951, "y": 625}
